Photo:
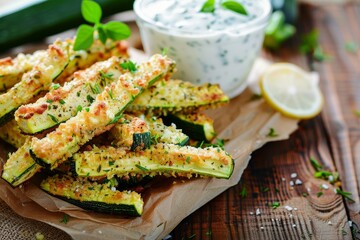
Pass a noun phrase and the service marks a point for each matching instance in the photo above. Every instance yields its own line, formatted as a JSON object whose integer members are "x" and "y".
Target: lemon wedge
{"x": 291, "y": 91}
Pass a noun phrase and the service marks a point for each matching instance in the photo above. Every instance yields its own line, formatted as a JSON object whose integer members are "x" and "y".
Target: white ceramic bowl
{"x": 223, "y": 55}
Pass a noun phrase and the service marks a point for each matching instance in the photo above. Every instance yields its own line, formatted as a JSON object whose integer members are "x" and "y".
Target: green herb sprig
{"x": 277, "y": 31}
{"x": 92, "y": 12}
{"x": 272, "y": 133}
{"x": 65, "y": 219}
{"x": 209, "y": 6}
{"x": 332, "y": 177}
{"x": 275, "y": 205}
{"x": 310, "y": 45}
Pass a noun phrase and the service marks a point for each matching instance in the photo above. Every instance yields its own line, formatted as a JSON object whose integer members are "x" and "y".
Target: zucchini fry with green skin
{"x": 106, "y": 110}
{"x": 197, "y": 126}
{"x": 20, "y": 166}
{"x": 81, "y": 60}
{"x": 131, "y": 132}
{"x": 159, "y": 159}
{"x": 94, "y": 196}
{"x": 62, "y": 103}
{"x": 11, "y": 133}
{"x": 176, "y": 95}
{"x": 34, "y": 81}
{"x": 11, "y": 70}
{"x": 165, "y": 134}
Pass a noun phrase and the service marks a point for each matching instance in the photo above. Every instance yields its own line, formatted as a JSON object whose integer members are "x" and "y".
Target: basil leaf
{"x": 234, "y": 6}
{"x": 102, "y": 34}
{"x": 91, "y": 11}
{"x": 84, "y": 37}
{"x": 208, "y": 7}
{"x": 117, "y": 30}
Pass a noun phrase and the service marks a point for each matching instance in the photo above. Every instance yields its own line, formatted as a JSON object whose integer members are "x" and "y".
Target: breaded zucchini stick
{"x": 107, "y": 108}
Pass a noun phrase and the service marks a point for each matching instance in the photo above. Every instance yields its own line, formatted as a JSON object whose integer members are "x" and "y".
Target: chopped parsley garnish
{"x": 111, "y": 163}
{"x": 129, "y": 65}
{"x": 62, "y": 101}
{"x": 110, "y": 93}
{"x": 115, "y": 119}
{"x": 106, "y": 75}
{"x": 272, "y": 133}
{"x": 87, "y": 109}
{"x": 90, "y": 99}
{"x": 155, "y": 139}
{"x": 49, "y": 101}
{"x": 164, "y": 51}
{"x": 264, "y": 189}
{"x": 55, "y": 86}
{"x": 96, "y": 88}
{"x": 310, "y": 45}
{"x": 243, "y": 192}
{"x": 319, "y": 194}
{"x": 92, "y": 12}
{"x": 141, "y": 167}
{"x": 315, "y": 164}
{"x": 188, "y": 159}
{"x": 351, "y": 47}
{"x": 53, "y": 118}
{"x": 192, "y": 236}
{"x": 220, "y": 143}
{"x": 305, "y": 194}
{"x": 79, "y": 108}
{"x": 345, "y": 194}
{"x": 65, "y": 219}
{"x": 255, "y": 97}
{"x": 275, "y": 205}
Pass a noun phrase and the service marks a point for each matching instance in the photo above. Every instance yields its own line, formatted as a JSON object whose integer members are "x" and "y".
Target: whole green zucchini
{"x": 47, "y": 18}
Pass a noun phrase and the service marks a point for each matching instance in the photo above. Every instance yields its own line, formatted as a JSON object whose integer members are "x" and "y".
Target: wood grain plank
{"x": 338, "y": 26}
{"x": 231, "y": 218}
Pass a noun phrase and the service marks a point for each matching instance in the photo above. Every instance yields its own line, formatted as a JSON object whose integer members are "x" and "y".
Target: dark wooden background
{"x": 332, "y": 138}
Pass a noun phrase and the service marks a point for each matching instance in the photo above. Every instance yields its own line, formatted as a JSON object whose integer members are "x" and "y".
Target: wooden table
{"x": 333, "y": 138}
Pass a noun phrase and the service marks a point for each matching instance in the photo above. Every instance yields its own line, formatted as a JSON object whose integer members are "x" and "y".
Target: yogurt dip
{"x": 218, "y": 47}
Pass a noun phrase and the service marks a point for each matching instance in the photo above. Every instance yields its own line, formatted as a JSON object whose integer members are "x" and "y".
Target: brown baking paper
{"x": 244, "y": 122}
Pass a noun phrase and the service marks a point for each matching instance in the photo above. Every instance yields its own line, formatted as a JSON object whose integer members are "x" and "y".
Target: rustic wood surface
{"x": 333, "y": 138}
